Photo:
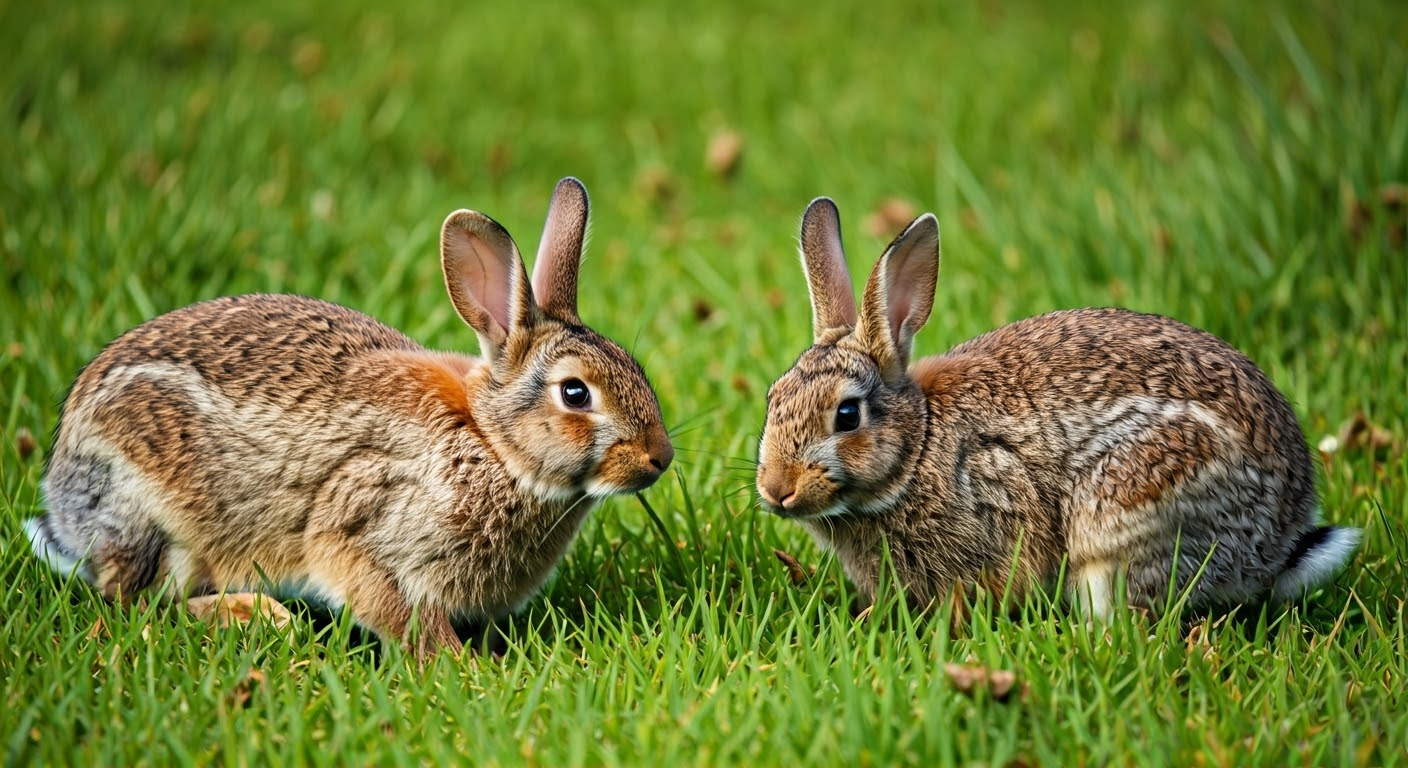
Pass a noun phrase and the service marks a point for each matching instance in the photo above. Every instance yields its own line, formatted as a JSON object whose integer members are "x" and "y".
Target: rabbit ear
{"x": 486, "y": 279}
{"x": 899, "y": 296}
{"x": 824, "y": 262}
{"x": 560, "y": 252}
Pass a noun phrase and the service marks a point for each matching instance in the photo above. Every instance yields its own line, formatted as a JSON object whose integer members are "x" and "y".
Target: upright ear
{"x": 560, "y": 252}
{"x": 486, "y": 279}
{"x": 824, "y": 262}
{"x": 899, "y": 296}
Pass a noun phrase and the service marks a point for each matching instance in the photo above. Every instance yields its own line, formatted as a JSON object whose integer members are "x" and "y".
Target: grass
{"x": 1224, "y": 163}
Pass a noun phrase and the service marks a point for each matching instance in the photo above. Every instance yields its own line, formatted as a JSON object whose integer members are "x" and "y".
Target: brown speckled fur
{"x": 1126, "y": 446}
{"x": 305, "y": 440}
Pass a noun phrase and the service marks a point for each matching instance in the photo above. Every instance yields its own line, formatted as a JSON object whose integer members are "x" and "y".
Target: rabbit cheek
{"x": 578, "y": 431}
{"x": 625, "y": 468}
{"x": 572, "y": 449}
{"x": 865, "y": 462}
{"x": 816, "y": 496}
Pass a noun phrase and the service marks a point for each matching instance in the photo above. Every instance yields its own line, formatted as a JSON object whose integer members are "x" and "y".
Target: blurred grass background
{"x": 1237, "y": 165}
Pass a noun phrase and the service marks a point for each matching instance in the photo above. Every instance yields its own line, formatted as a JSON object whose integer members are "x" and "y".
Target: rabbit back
{"x": 1146, "y": 450}
{"x": 218, "y": 425}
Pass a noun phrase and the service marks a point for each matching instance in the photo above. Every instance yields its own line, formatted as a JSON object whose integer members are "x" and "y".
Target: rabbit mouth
{"x": 834, "y": 508}
{"x": 808, "y": 504}
{"x": 601, "y": 488}
{"x": 802, "y": 493}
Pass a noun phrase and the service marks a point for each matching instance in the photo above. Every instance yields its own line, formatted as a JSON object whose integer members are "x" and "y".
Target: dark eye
{"x": 575, "y": 394}
{"x": 848, "y": 415}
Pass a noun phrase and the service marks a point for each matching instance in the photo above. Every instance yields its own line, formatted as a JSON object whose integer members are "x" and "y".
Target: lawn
{"x": 1238, "y": 167}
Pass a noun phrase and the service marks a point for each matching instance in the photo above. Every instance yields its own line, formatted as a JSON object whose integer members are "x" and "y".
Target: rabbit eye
{"x": 575, "y": 394}
{"x": 848, "y": 415}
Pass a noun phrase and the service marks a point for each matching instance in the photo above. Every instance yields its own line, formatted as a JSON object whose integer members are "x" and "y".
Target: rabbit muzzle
{"x": 634, "y": 465}
{"x": 797, "y": 492}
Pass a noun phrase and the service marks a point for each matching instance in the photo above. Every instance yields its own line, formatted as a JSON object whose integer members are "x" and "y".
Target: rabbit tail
{"x": 1318, "y": 555}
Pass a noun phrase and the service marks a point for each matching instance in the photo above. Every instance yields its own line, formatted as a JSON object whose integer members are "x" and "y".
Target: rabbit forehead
{"x": 822, "y": 377}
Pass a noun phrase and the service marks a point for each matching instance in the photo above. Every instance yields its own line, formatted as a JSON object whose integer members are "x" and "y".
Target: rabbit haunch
{"x": 1130, "y": 448}
{"x": 281, "y": 438}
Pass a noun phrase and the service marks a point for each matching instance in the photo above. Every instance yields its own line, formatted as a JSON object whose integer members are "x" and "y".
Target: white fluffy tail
{"x": 41, "y": 540}
{"x": 1318, "y": 556}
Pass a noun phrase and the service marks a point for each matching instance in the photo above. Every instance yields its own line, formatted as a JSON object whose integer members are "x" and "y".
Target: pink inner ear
{"x": 905, "y": 275}
{"x": 900, "y": 300}
{"x": 483, "y": 273}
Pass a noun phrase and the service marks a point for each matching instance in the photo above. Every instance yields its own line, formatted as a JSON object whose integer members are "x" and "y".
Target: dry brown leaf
{"x": 890, "y": 217}
{"x": 999, "y": 683}
{"x": 965, "y": 677}
{"x": 1162, "y": 239}
{"x": 1392, "y": 198}
{"x": 1360, "y": 434}
{"x": 309, "y": 56}
{"x": 14, "y": 349}
{"x": 1196, "y": 638}
{"x": 794, "y": 568}
{"x": 97, "y": 629}
{"x": 970, "y": 219}
{"x": 725, "y": 153}
{"x": 655, "y": 183}
{"x": 497, "y": 160}
{"x": 1196, "y": 642}
{"x": 223, "y": 610}
{"x": 24, "y": 443}
{"x": 240, "y": 695}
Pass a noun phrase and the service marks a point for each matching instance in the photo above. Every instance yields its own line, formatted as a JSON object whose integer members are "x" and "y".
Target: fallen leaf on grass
{"x": 1197, "y": 642}
{"x": 498, "y": 159}
{"x": 1002, "y": 682}
{"x": 1357, "y": 434}
{"x": 724, "y": 153}
{"x": 1390, "y": 199}
{"x": 224, "y": 610}
{"x": 24, "y": 443}
{"x": 890, "y": 217}
{"x": 794, "y": 568}
{"x": 965, "y": 677}
{"x": 240, "y": 695}
{"x": 308, "y": 57}
{"x": 655, "y": 183}
{"x": 999, "y": 683}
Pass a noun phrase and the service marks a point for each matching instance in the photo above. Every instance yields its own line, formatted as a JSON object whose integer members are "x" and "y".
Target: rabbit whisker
{"x": 562, "y": 517}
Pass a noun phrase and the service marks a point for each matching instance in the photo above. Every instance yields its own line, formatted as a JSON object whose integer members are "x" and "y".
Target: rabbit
{"x": 1147, "y": 458}
{"x": 276, "y": 439}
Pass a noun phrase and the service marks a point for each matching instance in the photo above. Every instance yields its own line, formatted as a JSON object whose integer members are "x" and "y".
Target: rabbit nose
{"x": 659, "y": 452}
{"x": 776, "y": 488}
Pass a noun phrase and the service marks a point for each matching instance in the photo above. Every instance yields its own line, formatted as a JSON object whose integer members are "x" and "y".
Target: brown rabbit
{"x": 1132, "y": 448}
{"x": 281, "y": 436}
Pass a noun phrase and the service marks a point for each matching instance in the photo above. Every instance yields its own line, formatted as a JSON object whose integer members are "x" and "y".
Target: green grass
{"x": 1223, "y": 164}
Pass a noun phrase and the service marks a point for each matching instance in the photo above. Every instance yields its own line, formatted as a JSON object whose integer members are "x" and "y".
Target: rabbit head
{"x": 569, "y": 411}
{"x": 845, "y": 423}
